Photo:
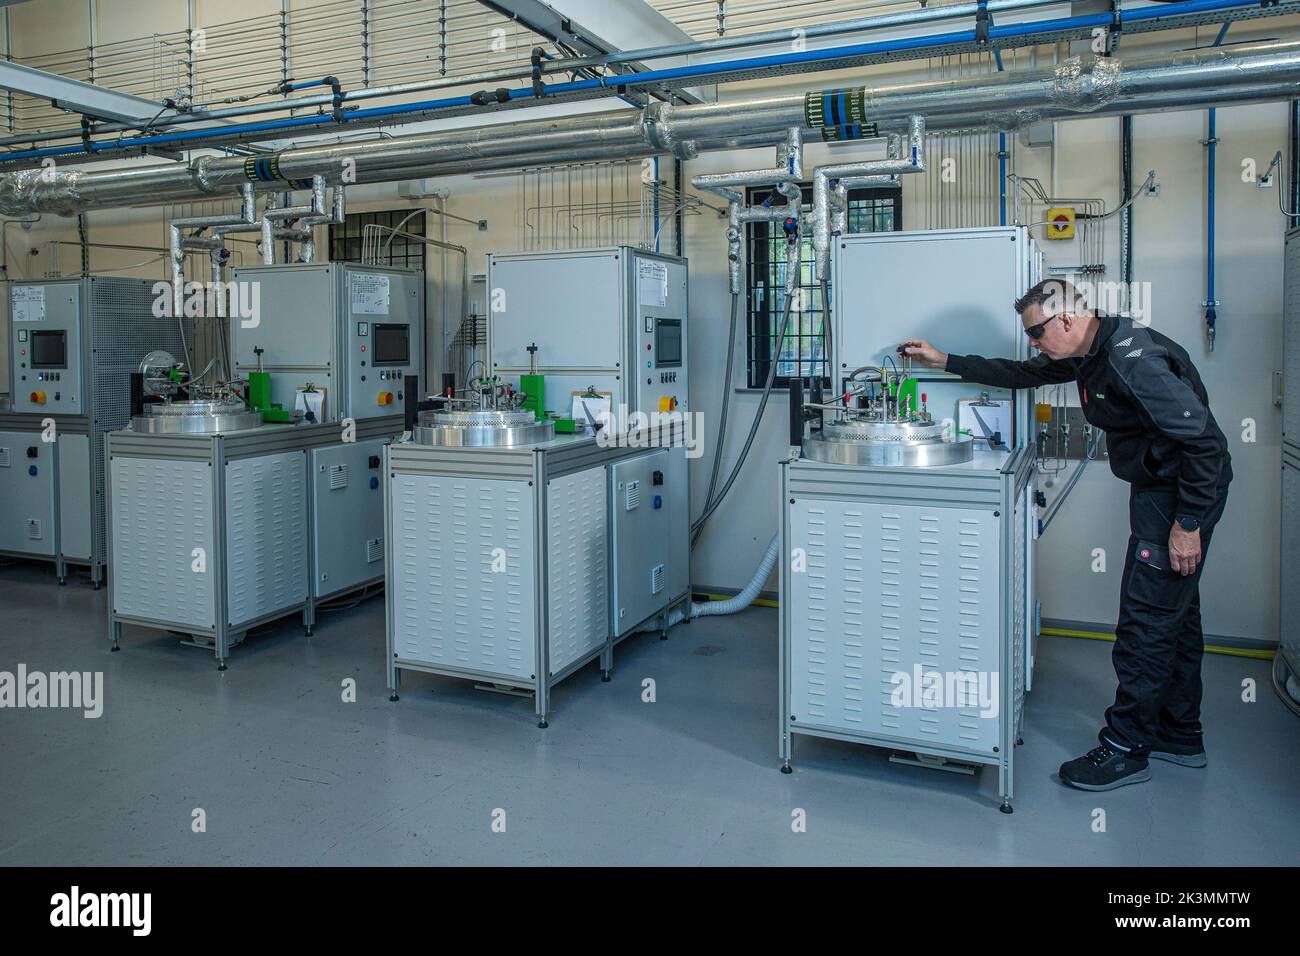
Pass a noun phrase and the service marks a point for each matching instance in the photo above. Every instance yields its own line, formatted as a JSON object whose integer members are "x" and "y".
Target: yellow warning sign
{"x": 1060, "y": 222}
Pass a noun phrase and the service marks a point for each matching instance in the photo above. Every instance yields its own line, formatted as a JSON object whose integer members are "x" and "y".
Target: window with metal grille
{"x": 803, "y": 351}
{"x": 346, "y": 238}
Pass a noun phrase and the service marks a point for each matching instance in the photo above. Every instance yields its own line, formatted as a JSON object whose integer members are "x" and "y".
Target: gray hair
{"x": 1054, "y": 297}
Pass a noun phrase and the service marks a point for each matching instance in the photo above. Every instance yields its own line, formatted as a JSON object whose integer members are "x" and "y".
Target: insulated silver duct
{"x": 1095, "y": 86}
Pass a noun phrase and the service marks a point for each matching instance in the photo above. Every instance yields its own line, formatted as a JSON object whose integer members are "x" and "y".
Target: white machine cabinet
{"x": 611, "y": 318}
{"x": 907, "y": 607}
{"x": 72, "y": 346}
{"x": 515, "y": 566}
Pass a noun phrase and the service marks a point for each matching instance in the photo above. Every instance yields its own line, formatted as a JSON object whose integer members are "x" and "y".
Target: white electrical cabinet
{"x": 610, "y": 319}
{"x": 72, "y": 346}
{"x": 907, "y": 609}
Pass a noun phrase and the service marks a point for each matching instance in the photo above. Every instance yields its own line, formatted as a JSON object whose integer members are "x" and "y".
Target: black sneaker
{"x": 1102, "y": 768}
{"x": 1184, "y": 756}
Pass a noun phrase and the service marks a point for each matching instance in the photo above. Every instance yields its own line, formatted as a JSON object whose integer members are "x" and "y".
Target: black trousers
{"x": 1158, "y": 638}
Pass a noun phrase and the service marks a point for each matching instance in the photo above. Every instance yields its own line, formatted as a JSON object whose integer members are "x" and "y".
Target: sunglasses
{"x": 1036, "y": 331}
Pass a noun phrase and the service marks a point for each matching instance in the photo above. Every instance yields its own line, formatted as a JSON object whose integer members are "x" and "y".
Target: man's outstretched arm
{"x": 999, "y": 373}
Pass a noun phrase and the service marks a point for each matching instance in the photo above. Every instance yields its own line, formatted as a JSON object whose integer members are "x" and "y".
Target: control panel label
{"x": 370, "y": 294}
{"x": 28, "y": 303}
{"x": 652, "y": 283}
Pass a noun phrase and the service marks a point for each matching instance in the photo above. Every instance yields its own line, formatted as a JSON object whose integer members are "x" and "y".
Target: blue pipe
{"x": 1002, "y": 161}
{"x": 701, "y": 72}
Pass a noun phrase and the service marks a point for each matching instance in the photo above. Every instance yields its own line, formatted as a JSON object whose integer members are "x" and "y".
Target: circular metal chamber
{"x": 861, "y": 441}
{"x": 481, "y": 428}
{"x": 196, "y": 417}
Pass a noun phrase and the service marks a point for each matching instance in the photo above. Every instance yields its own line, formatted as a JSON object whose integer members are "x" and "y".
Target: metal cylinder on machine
{"x": 410, "y": 401}
{"x": 796, "y": 412}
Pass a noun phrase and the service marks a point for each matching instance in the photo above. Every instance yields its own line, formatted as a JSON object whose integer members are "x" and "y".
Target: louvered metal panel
{"x": 578, "y": 566}
{"x": 892, "y": 595}
{"x": 266, "y": 535}
{"x": 463, "y": 594}
{"x": 162, "y": 543}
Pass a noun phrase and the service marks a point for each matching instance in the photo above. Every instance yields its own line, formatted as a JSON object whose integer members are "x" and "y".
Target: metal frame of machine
{"x": 494, "y": 486}
{"x": 515, "y": 557}
{"x": 116, "y": 328}
{"x": 917, "y": 546}
{"x": 852, "y": 493}
{"x": 233, "y": 493}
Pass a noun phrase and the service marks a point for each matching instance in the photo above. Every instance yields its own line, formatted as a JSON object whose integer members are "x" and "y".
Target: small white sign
{"x": 652, "y": 283}
{"x": 28, "y": 303}
{"x": 370, "y": 294}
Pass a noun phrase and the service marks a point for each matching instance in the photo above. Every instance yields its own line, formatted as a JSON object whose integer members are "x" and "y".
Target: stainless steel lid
{"x": 481, "y": 428}
{"x": 196, "y": 417}
{"x": 865, "y": 442}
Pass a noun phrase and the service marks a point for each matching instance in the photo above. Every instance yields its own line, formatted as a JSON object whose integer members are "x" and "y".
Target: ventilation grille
{"x": 34, "y": 529}
{"x": 633, "y": 494}
{"x": 657, "y": 577}
{"x": 338, "y": 477}
{"x": 375, "y": 550}
{"x": 4, "y": 457}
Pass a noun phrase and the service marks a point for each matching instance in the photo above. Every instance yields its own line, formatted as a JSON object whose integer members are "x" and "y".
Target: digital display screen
{"x": 49, "y": 349}
{"x": 668, "y": 342}
{"x": 390, "y": 344}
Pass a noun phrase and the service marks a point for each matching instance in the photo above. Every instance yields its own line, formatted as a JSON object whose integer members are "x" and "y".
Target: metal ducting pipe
{"x": 1103, "y": 86}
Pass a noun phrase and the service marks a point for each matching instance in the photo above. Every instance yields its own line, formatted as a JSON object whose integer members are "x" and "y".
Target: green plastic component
{"x": 534, "y": 389}
{"x": 909, "y": 387}
{"x": 259, "y": 398}
{"x": 564, "y": 426}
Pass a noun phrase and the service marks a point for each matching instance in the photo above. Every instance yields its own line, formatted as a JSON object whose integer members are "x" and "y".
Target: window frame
{"x": 345, "y": 239}
{"x": 761, "y": 239}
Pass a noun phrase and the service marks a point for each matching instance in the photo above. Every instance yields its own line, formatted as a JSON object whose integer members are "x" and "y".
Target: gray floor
{"x": 289, "y": 774}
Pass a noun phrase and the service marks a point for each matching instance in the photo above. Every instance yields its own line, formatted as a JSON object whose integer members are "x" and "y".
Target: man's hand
{"x": 1184, "y": 550}
{"x": 922, "y": 351}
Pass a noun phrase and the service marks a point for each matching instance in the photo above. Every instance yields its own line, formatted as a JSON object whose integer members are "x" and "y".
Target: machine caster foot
{"x": 114, "y": 649}
{"x": 1006, "y": 807}
{"x": 542, "y": 724}
{"x": 222, "y": 666}
{"x": 307, "y": 631}
{"x": 95, "y": 586}
{"x": 62, "y": 581}
{"x": 604, "y": 677}
{"x": 1020, "y": 741}
{"x": 786, "y": 768}
{"x": 394, "y": 698}
{"x": 663, "y": 635}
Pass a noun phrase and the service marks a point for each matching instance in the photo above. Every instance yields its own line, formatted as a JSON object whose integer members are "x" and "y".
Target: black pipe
{"x": 796, "y": 411}
{"x": 410, "y": 401}
{"x": 137, "y": 394}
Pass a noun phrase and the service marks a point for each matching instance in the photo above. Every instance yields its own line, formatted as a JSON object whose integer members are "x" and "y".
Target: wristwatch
{"x": 1188, "y": 523}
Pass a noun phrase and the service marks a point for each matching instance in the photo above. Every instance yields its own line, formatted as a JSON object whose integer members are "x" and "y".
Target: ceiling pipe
{"x": 1094, "y": 87}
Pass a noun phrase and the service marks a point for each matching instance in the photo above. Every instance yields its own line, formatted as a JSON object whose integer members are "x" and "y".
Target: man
{"x": 1142, "y": 389}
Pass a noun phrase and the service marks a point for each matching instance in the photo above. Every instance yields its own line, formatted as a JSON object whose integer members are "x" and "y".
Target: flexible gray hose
{"x": 758, "y": 418}
{"x": 726, "y": 406}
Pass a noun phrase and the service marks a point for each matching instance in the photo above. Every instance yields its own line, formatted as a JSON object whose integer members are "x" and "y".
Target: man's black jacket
{"x": 1142, "y": 389}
